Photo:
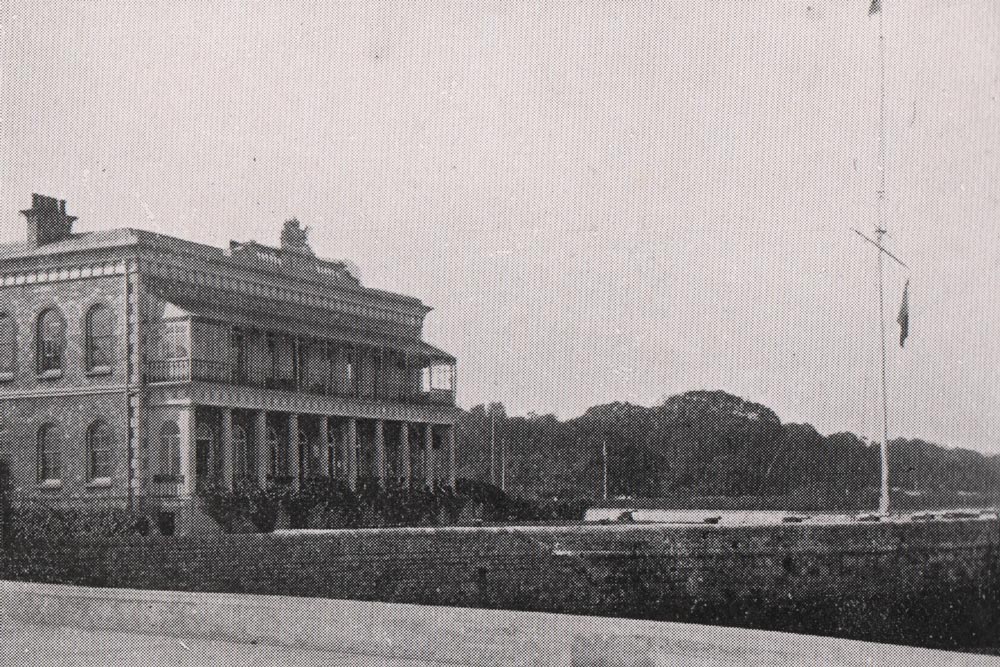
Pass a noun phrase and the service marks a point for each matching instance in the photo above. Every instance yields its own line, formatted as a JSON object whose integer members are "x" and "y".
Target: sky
{"x": 601, "y": 201}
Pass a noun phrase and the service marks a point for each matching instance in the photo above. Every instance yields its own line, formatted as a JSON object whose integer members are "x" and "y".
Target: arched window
{"x": 99, "y": 349}
{"x": 274, "y": 449}
{"x": 241, "y": 468}
{"x": 51, "y": 340}
{"x": 170, "y": 449}
{"x": 99, "y": 451}
{"x": 8, "y": 344}
{"x": 49, "y": 454}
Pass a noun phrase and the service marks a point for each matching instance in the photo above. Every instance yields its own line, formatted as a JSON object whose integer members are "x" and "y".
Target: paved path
{"x": 73, "y": 647}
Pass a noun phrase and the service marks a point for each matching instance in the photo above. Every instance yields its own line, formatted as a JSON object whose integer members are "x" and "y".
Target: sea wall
{"x": 928, "y": 584}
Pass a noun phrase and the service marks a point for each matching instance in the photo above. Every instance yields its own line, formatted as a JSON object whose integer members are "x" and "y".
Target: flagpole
{"x": 604, "y": 469}
{"x": 883, "y": 505}
{"x": 880, "y": 231}
{"x": 493, "y": 446}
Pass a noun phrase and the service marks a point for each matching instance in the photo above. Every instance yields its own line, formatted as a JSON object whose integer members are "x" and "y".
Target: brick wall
{"x": 73, "y": 298}
{"x": 73, "y": 415}
{"x": 882, "y": 582}
{"x": 72, "y": 401}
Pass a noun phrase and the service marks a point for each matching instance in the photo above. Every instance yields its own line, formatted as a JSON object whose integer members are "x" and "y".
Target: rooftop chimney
{"x": 47, "y": 220}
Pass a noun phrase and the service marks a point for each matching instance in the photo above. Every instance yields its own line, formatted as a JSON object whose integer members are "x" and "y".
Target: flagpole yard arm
{"x": 881, "y": 248}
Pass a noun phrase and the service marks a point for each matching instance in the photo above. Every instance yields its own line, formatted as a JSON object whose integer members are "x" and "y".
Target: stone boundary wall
{"x": 438, "y": 635}
{"x": 843, "y": 580}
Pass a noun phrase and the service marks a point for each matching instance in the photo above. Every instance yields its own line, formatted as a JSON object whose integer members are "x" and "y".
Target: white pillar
{"x": 351, "y": 452}
{"x": 293, "y": 450}
{"x": 379, "y": 458}
{"x": 404, "y": 453}
{"x": 429, "y": 454}
{"x": 262, "y": 459}
{"x": 323, "y": 436}
{"x": 189, "y": 460}
{"x": 226, "y": 464}
{"x": 450, "y": 445}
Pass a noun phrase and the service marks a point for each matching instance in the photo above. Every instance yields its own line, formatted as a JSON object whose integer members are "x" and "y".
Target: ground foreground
{"x": 75, "y": 647}
{"x": 44, "y": 624}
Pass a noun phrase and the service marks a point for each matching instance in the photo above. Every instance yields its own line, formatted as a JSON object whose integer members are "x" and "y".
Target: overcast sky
{"x": 602, "y": 201}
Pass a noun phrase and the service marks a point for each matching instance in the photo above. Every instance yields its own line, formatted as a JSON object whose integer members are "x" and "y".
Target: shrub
{"x": 497, "y": 504}
{"x": 244, "y": 508}
{"x": 337, "y": 507}
{"x": 35, "y": 522}
{"x": 6, "y": 510}
{"x": 264, "y": 506}
{"x": 400, "y": 505}
{"x": 451, "y": 502}
{"x": 312, "y": 492}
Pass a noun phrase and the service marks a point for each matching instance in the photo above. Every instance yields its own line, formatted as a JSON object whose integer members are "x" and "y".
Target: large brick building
{"x": 136, "y": 367}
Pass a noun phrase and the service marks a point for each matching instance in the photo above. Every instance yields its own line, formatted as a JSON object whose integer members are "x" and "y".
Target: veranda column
{"x": 451, "y": 447}
{"x": 351, "y": 452}
{"x": 404, "y": 453}
{"x": 379, "y": 461}
{"x": 293, "y": 449}
{"x": 323, "y": 435}
{"x": 262, "y": 458}
{"x": 429, "y": 454}
{"x": 189, "y": 461}
{"x": 226, "y": 464}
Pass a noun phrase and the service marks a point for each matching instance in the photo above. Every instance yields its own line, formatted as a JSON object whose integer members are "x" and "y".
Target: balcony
{"x": 204, "y": 370}
{"x": 186, "y": 370}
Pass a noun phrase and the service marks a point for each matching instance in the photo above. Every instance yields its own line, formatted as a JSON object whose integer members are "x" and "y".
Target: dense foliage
{"x": 709, "y": 444}
{"x": 322, "y": 502}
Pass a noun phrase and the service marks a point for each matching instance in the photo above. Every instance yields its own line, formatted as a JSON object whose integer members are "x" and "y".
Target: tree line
{"x": 706, "y": 444}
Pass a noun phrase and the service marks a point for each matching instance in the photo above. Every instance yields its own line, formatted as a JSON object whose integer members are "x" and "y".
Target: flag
{"x": 904, "y": 315}
{"x": 875, "y": 7}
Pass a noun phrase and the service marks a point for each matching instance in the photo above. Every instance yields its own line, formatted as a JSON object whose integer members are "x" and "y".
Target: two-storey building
{"x": 135, "y": 367}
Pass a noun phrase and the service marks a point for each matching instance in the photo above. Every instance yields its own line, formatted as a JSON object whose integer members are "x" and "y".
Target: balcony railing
{"x": 183, "y": 370}
{"x": 187, "y": 370}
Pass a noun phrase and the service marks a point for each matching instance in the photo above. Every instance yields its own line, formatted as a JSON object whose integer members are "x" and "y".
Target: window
{"x": 238, "y": 356}
{"x": 438, "y": 376}
{"x": 241, "y": 467}
{"x": 274, "y": 450}
{"x": 350, "y": 380}
{"x": 51, "y": 341}
{"x": 272, "y": 357}
{"x": 306, "y": 460}
{"x": 98, "y": 338}
{"x": 204, "y": 444}
{"x": 98, "y": 451}
{"x": 49, "y": 454}
{"x": 170, "y": 449}
{"x": 8, "y": 345}
{"x": 174, "y": 341}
